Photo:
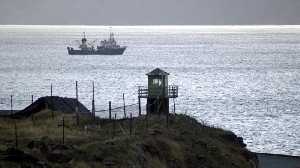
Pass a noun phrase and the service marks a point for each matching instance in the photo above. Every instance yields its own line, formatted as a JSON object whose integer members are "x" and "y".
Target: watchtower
{"x": 158, "y": 92}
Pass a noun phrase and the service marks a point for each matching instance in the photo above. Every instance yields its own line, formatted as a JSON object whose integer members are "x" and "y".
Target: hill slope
{"x": 152, "y": 142}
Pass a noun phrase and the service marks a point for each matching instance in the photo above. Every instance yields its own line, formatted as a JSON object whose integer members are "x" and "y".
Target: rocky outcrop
{"x": 19, "y": 156}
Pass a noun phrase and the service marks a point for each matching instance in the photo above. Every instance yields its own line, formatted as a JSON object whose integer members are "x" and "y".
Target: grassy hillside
{"x": 183, "y": 142}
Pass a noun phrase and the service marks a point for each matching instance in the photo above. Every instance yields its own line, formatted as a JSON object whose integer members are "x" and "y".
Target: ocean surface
{"x": 241, "y": 78}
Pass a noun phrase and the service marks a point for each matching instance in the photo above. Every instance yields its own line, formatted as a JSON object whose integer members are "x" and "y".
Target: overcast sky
{"x": 150, "y": 12}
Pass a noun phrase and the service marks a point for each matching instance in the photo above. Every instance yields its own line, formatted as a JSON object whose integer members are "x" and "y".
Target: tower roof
{"x": 158, "y": 71}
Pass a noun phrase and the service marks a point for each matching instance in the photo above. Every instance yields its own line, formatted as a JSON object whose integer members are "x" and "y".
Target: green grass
{"x": 185, "y": 143}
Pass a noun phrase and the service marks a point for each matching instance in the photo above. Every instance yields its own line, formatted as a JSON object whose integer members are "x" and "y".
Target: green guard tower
{"x": 158, "y": 92}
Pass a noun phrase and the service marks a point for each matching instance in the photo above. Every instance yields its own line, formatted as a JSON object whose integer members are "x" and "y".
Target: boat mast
{"x": 83, "y": 42}
{"x": 111, "y": 35}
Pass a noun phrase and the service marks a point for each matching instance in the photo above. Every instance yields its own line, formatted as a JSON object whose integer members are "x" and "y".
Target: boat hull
{"x": 104, "y": 51}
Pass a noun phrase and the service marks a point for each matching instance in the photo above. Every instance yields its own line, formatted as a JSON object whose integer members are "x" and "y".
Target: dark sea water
{"x": 242, "y": 78}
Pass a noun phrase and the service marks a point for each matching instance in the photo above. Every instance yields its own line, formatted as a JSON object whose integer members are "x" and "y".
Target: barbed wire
{"x": 131, "y": 108}
{"x": 138, "y": 148}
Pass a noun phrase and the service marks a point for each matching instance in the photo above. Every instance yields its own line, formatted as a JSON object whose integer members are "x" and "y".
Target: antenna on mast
{"x": 110, "y": 33}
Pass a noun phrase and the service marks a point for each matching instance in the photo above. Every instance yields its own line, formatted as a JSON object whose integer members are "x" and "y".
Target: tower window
{"x": 157, "y": 82}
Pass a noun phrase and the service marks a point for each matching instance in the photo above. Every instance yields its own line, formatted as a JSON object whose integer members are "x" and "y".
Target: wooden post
{"x": 147, "y": 122}
{"x": 147, "y": 109}
{"x": 124, "y": 106}
{"x": 76, "y": 91}
{"x": 163, "y": 95}
{"x": 77, "y": 119}
{"x": 109, "y": 110}
{"x": 130, "y": 124}
{"x": 11, "y": 102}
{"x": 114, "y": 126}
{"x": 77, "y": 105}
{"x": 63, "y": 125}
{"x": 93, "y": 91}
{"x": 32, "y": 108}
{"x": 52, "y": 103}
{"x": 93, "y": 101}
{"x": 63, "y": 130}
{"x": 174, "y": 105}
{"x": 93, "y": 108}
{"x": 140, "y": 111}
{"x": 16, "y": 134}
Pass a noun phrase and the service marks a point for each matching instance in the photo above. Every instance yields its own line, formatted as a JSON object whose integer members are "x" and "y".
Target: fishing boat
{"x": 107, "y": 47}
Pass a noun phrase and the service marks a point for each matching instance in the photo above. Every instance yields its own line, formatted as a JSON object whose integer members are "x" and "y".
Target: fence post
{"x": 130, "y": 124}
{"x": 124, "y": 106}
{"x": 16, "y": 134}
{"x": 63, "y": 125}
{"x": 147, "y": 109}
{"x": 76, "y": 104}
{"x": 93, "y": 101}
{"x": 115, "y": 126}
{"x": 11, "y": 102}
{"x": 93, "y": 108}
{"x": 52, "y": 103}
{"x": 147, "y": 122}
{"x": 174, "y": 105}
{"x": 63, "y": 130}
{"x": 140, "y": 107}
{"x": 32, "y": 108}
{"x": 109, "y": 110}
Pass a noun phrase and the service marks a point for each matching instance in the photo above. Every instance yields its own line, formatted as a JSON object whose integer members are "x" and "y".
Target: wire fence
{"x": 76, "y": 128}
{"x": 96, "y": 125}
{"x": 121, "y": 112}
{"x": 63, "y": 133}
{"x": 13, "y": 103}
{"x": 10, "y": 104}
{"x": 64, "y": 130}
{"x": 84, "y": 92}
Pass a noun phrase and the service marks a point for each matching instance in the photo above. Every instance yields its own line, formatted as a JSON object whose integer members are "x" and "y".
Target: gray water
{"x": 242, "y": 78}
